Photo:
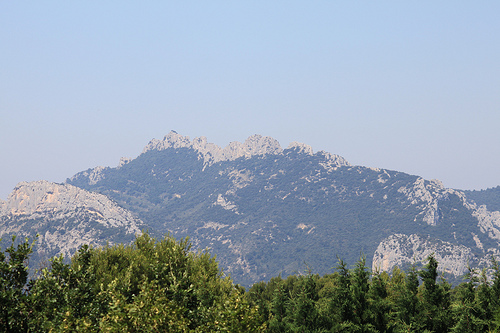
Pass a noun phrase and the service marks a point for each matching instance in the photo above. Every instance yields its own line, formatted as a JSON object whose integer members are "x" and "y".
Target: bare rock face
{"x": 64, "y": 216}
{"x": 96, "y": 174}
{"x": 400, "y": 250}
{"x": 253, "y": 146}
{"x": 211, "y": 153}
{"x": 426, "y": 195}
{"x": 331, "y": 161}
{"x": 261, "y": 145}
{"x": 301, "y": 147}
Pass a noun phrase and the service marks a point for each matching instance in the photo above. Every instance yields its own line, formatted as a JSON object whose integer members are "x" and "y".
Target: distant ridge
{"x": 262, "y": 210}
{"x": 211, "y": 153}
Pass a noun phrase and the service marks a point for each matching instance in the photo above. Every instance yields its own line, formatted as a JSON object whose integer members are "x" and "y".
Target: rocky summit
{"x": 263, "y": 210}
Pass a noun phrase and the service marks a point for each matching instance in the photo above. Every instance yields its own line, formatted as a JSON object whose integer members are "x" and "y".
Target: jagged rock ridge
{"x": 253, "y": 145}
{"x": 210, "y": 153}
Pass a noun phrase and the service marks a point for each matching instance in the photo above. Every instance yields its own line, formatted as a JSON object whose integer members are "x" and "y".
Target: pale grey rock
{"x": 301, "y": 147}
{"x": 331, "y": 161}
{"x": 400, "y": 250}
{"x": 123, "y": 161}
{"x": 488, "y": 222}
{"x": 171, "y": 140}
{"x": 93, "y": 176}
{"x": 41, "y": 198}
{"x": 211, "y": 153}
{"x": 226, "y": 204}
{"x": 240, "y": 179}
{"x": 63, "y": 212}
{"x": 261, "y": 145}
{"x": 233, "y": 151}
{"x": 426, "y": 196}
{"x": 478, "y": 242}
{"x": 383, "y": 176}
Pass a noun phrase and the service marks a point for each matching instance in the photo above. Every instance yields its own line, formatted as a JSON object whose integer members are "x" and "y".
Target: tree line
{"x": 162, "y": 286}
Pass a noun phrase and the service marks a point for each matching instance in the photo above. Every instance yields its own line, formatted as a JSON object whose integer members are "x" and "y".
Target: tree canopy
{"x": 162, "y": 285}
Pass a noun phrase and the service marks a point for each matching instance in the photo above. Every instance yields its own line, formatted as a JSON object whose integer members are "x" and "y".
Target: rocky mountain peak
{"x": 171, "y": 140}
{"x": 261, "y": 145}
{"x": 301, "y": 147}
{"x": 212, "y": 153}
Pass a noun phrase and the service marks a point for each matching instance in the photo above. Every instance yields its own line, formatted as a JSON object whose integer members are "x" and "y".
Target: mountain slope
{"x": 264, "y": 210}
{"x": 489, "y": 197}
{"x": 65, "y": 217}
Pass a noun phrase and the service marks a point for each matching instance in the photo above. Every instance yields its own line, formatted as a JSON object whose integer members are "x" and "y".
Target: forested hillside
{"x": 489, "y": 197}
{"x": 161, "y": 286}
{"x": 266, "y": 211}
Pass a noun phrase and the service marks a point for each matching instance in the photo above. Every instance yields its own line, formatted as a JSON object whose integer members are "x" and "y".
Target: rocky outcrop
{"x": 301, "y": 147}
{"x": 403, "y": 250}
{"x": 253, "y": 146}
{"x": 426, "y": 195}
{"x": 211, "y": 153}
{"x": 64, "y": 217}
{"x": 94, "y": 175}
{"x": 331, "y": 161}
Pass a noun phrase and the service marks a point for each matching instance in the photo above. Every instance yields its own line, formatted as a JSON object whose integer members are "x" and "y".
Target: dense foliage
{"x": 285, "y": 208}
{"x": 162, "y": 286}
{"x": 355, "y": 300}
{"x": 148, "y": 286}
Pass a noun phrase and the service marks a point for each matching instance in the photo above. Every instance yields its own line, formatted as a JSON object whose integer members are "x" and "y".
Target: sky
{"x": 412, "y": 86}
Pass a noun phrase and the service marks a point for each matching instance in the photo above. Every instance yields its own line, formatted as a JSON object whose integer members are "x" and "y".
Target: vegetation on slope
{"x": 162, "y": 286}
{"x": 489, "y": 197}
{"x": 283, "y": 209}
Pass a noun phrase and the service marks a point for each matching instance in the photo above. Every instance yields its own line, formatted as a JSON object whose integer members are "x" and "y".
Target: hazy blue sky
{"x": 412, "y": 86}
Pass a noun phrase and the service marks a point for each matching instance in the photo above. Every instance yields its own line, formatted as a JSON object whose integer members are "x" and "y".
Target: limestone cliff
{"x": 64, "y": 216}
{"x": 404, "y": 250}
{"x": 482, "y": 227}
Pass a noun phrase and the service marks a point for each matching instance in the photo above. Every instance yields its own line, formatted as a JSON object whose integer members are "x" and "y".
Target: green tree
{"x": 341, "y": 304}
{"x": 13, "y": 286}
{"x": 66, "y": 295}
{"x": 436, "y": 299}
{"x": 466, "y": 308}
{"x": 406, "y": 304}
{"x": 302, "y": 312}
{"x": 142, "y": 287}
{"x": 379, "y": 305}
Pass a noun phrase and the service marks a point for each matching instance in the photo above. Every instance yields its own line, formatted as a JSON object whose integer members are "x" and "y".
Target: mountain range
{"x": 261, "y": 209}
